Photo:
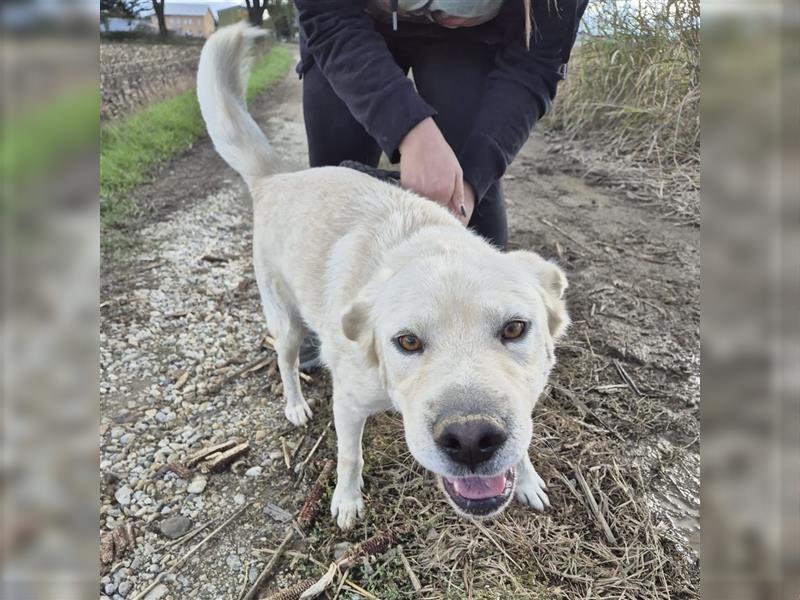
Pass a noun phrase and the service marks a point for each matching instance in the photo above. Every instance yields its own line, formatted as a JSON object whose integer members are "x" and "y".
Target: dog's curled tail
{"x": 221, "y": 85}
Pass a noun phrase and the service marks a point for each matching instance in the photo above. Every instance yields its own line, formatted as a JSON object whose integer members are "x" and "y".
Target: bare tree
{"x": 158, "y": 7}
{"x": 126, "y": 9}
{"x": 255, "y": 11}
{"x": 282, "y": 18}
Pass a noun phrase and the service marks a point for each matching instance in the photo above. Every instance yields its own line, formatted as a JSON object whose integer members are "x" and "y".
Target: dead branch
{"x": 204, "y": 452}
{"x": 267, "y": 570}
{"x": 219, "y": 461}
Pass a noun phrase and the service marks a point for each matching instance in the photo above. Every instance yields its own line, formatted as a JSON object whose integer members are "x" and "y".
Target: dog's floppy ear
{"x": 552, "y": 283}
{"x": 356, "y": 317}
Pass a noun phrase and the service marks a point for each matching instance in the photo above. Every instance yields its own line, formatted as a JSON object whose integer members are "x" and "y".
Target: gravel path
{"x": 181, "y": 320}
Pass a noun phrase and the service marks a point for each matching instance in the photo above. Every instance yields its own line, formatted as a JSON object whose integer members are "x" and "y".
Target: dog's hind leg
{"x": 530, "y": 487}
{"x": 288, "y": 329}
{"x": 347, "y": 504}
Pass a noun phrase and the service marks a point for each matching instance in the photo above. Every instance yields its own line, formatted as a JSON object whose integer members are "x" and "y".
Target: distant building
{"x": 199, "y": 19}
{"x": 115, "y": 24}
{"x": 187, "y": 19}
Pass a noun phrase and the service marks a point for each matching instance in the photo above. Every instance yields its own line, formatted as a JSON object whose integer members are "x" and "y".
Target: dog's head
{"x": 464, "y": 345}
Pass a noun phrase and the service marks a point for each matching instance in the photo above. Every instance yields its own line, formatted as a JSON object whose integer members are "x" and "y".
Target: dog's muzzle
{"x": 471, "y": 441}
{"x": 480, "y": 496}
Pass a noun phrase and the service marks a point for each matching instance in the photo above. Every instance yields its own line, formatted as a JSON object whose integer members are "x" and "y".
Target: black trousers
{"x": 449, "y": 75}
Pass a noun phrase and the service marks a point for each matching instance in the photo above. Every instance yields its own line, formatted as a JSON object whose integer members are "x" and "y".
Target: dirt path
{"x": 181, "y": 319}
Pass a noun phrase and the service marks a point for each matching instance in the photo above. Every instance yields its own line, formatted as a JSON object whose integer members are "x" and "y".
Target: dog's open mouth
{"x": 480, "y": 496}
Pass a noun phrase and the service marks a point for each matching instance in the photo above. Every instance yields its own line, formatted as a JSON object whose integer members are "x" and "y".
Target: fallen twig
{"x": 219, "y": 461}
{"x": 627, "y": 378}
{"x": 201, "y": 454}
{"x": 286, "y": 457}
{"x": 215, "y": 259}
{"x": 188, "y": 536}
{"x": 267, "y": 570}
{"x": 244, "y": 579}
{"x": 407, "y": 566}
{"x": 178, "y": 562}
{"x": 594, "y": 507}
{"x": 298, "y": 468}
{"x": 253, "y": 365}
{"x": 566, "y": 235}
{"x": 584, "y": 409}
{"x": 377, "y": 544}
{"x": 360, "y": 590}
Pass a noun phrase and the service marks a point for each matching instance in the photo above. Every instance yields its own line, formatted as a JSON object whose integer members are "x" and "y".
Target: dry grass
{"x": 614, "y": 550}
{"x": 634, "y": 92}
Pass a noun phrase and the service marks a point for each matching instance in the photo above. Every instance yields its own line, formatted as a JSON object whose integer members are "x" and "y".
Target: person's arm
{"x": 357, "y": 63}
{"x": 520, "y": 89}
{"x": 355, "y": 60}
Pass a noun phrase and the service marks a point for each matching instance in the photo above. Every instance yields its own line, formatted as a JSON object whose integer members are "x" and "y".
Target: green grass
{"x": 36, "y": 141}
{"x": 131, "y": 148}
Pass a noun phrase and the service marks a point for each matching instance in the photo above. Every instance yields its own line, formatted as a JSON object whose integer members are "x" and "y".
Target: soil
{"x": 624, "y": 399}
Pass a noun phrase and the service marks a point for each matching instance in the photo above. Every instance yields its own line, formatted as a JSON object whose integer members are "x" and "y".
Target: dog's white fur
{"x": 359, "y": 261}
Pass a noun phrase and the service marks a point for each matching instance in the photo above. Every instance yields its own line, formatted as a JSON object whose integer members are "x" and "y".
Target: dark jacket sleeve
{"x": 355, "y": 60}
{"x": 520, "y": 89}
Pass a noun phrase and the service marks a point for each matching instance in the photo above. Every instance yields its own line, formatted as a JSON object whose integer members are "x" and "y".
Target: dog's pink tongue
{"x": 477, "y": 488}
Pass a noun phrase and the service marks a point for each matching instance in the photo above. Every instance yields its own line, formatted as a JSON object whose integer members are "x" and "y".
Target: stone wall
{"x": 134, "y": 75}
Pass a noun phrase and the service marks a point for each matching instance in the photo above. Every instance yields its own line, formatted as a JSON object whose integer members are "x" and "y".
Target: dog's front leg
{"x": 347, "y": 504}
{"x": 530, "y": 487}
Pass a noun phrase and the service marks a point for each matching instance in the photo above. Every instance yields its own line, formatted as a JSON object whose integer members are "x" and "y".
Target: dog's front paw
{"x": 531, "y": 491}
{"x": 298, "y": 413}
{"x": 346, "y": 507}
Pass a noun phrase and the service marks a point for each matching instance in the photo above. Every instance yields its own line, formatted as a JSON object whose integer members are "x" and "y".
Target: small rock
{"x": 234, "y": 564}
{"x": 238, "y": 499}
{"x": 253, "y": 472}
{"x": 127, "y": 438}
{"x": 123, "y": 495}
{"x": 197, "y": 485}
{"x": 110, "y": 588}
{"x": 124, "y": 588}
{"x": 252, "y": 574}
{"x": 261, "y": 435}
{"x": 174, "y": 527}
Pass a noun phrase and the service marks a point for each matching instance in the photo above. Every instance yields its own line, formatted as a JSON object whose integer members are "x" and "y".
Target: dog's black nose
{"x": 470, "y": 440}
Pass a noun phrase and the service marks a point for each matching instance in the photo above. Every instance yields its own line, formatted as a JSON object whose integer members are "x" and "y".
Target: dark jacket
{"x": 348, "y": 47}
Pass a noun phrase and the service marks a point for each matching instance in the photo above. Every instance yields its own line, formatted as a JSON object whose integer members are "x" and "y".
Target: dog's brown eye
{"x": 514, "y": 329}
{"x": 409, "y": 342}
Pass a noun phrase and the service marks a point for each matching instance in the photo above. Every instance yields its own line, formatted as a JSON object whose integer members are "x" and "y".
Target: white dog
{"x": 414, "y": 312}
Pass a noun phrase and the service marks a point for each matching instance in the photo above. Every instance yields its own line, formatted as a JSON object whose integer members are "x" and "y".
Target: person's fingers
{"x": 457, "y": 200}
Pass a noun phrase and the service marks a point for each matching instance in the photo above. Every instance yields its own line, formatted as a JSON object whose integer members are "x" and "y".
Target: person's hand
{"x": 429, "y": 167}
{"x": 469, "y": 204}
